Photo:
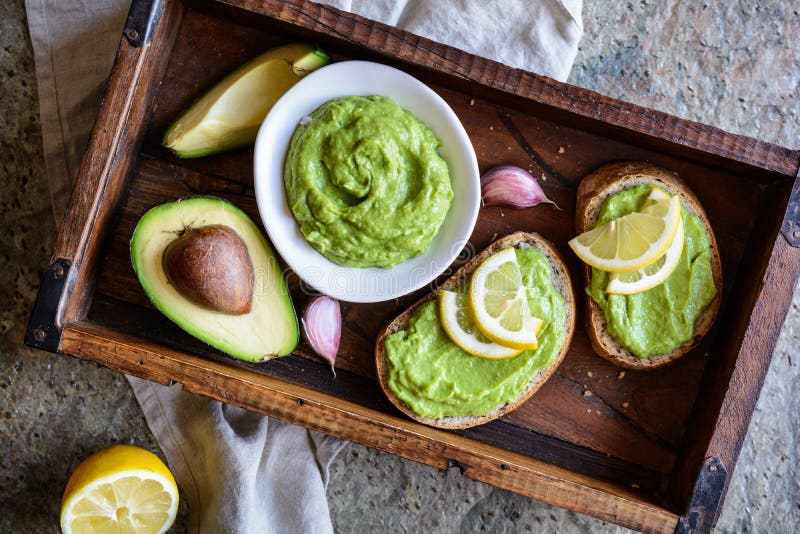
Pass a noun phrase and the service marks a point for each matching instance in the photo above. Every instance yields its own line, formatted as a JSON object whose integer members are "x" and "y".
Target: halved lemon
{"x": 632, "y": 241}
{"x": 121, "y": 489}
{"x": 499, "y": 302}
{"x": 455, "y": 317}
{"x": 654, "y": 274}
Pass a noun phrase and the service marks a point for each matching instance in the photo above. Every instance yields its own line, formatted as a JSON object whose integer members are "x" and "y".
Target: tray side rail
{"x": 735, "y": 374}
{"x": 107, "y": 164}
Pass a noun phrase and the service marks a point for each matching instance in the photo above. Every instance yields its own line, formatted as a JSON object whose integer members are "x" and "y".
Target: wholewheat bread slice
{"x": 561, "y": 282}
{"x": 592, "y": 193}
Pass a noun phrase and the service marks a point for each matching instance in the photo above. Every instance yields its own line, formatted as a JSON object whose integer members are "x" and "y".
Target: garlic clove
{"x": 508, "y": 185}
{"x": 322, "y": 326}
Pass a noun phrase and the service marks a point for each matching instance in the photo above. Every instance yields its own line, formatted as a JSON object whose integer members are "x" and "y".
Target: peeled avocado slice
{"x": 269, "y": 329}
{"x": 229, "y": 115}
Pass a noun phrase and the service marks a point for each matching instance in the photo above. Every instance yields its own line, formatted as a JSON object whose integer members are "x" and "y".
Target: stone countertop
{"x": 734, "y": 64}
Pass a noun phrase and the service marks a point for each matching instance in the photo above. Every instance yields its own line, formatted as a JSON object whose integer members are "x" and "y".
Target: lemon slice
{"x": 121, "y": 489}
{"x": 499, "y": 302}
{"x": 453, "y": 316}
{"x": 654, "y": 274}
{"x": 655, "y": 195}
{"x": 632, "y": 241}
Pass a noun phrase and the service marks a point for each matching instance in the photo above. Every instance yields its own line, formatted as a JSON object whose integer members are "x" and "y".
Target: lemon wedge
{"x": 121, "y": 489}
{"x": 455, "y": 318}
{"x": 499, "y": 302}
{"x": 632, "y": 241}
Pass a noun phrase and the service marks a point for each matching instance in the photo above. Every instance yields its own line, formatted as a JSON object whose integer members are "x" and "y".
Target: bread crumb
{"x": 471, "y": 101}
{"x": 589, "y": 374}
{"x": 491, "y": 127}
{"x": 544, "y": 177}
{"x": 635, "y": 486}
{"x": 597, "y": 412}
{"x": 588, "y": 410}
{"x": 561, "y": 150}
{"x": 502, "y": 214}
{"x": 621, "y": 375}
{"x": 625, "y": 404}
{"x": 587, "y": 393}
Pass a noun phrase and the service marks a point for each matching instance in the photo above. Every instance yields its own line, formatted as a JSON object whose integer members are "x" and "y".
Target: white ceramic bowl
{"x": 362, "y": 78}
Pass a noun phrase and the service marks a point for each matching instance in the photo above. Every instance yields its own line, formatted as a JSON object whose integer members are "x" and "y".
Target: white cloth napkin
{"x": 238, "y": 471}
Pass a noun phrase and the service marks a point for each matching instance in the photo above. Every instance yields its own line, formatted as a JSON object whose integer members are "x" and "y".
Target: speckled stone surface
{"x": 732, "y": 64}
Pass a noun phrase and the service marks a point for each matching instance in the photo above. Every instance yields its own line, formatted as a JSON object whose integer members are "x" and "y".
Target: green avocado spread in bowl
{"x": 435, "y": 378}
{"x": 661, "y": 319}
{"x": 365, "y": 182}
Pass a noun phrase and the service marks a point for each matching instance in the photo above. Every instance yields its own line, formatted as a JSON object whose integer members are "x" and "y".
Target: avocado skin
{"x": 269, "y": 330}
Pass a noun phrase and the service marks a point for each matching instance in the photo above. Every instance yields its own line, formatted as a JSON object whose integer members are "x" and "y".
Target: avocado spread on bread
{"x": 435, "y": 378}
{"x": 661, "y": 319}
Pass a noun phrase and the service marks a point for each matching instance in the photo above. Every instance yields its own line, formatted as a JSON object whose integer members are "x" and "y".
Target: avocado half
{"x": 229, "y": 114}
{"x": 268, "y": 330}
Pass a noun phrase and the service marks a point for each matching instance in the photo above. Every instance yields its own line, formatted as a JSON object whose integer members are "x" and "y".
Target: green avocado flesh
{"x": 661, "y": 319}
{"x": 435, "y": 378}
{"x": 270, "y": 327}
{"x": 366, "y": 183}
{"x": 229, "y": 115}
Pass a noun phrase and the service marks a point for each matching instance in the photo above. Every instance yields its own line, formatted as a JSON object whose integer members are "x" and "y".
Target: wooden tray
{"x": 650, "y": 451}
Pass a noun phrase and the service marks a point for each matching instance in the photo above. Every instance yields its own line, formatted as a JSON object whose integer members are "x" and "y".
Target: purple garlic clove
{"x": 511, "y": 186}
{"x": 322, "y": 325}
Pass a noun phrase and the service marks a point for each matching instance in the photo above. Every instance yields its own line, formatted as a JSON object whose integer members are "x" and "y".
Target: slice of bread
{"x": 561, "y": 282}
{"x": 592, "y": 193}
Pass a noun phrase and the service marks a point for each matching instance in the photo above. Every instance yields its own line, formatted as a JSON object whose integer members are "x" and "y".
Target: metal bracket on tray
{"x": 791, "y": 220}
{"x": 706, "y": 497}
{"x": 142, "y": 20}
{"x": 44, "y": 332}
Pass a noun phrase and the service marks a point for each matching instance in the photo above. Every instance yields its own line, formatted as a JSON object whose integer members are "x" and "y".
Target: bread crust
{"x": 594, "y": 189}
{"x": 562, "y": 283}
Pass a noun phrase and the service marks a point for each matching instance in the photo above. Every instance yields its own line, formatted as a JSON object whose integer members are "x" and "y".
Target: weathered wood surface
{"x": 587, "y": 410}
{"x": 109, "y": 159}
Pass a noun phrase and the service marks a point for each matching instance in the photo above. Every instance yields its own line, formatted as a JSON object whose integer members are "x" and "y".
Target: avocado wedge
{"x": 200, "y": 247}
{"x": 228, "y": 116}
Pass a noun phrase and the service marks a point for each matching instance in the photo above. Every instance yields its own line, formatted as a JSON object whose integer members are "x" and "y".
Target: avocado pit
{"x": 211, "y": 267}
